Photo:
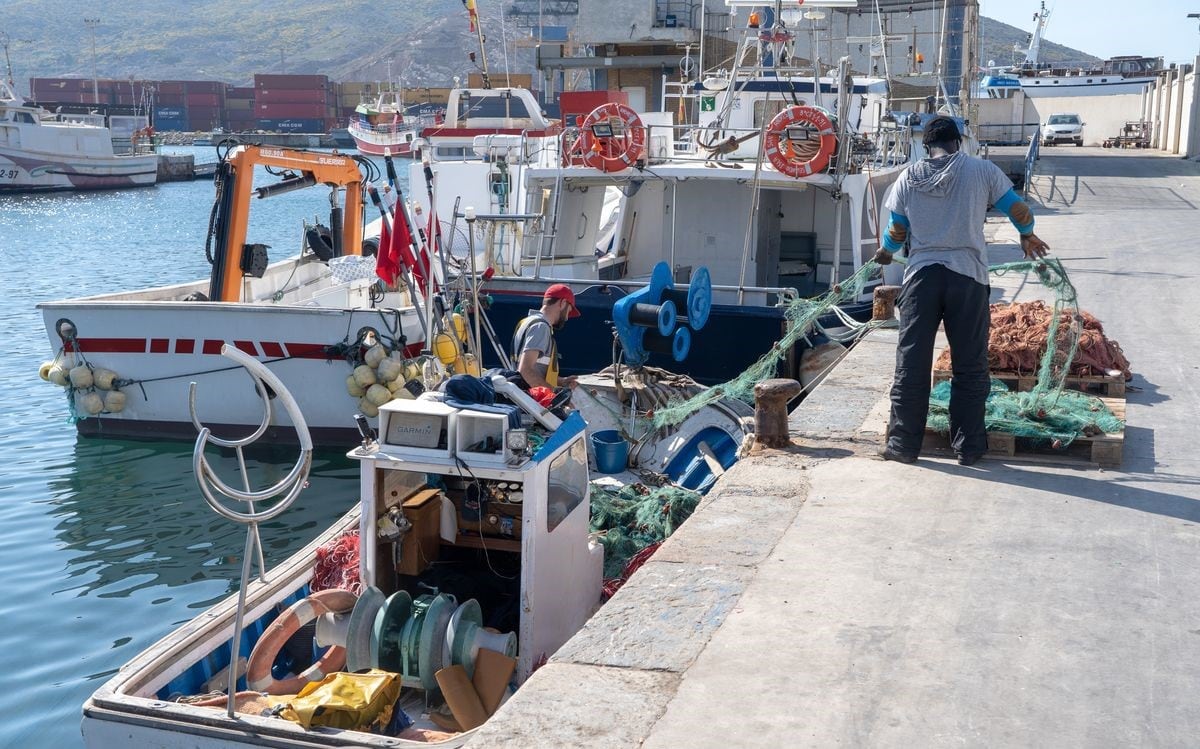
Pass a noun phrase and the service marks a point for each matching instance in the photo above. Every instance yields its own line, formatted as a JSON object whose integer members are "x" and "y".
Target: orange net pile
{"x": 1017, "y": 342}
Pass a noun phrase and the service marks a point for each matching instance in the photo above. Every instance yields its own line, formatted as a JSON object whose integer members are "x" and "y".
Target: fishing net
{"x": 800, "y": 315}
{"x": 1046, "y": 413}
{"x": 634, "y": 517}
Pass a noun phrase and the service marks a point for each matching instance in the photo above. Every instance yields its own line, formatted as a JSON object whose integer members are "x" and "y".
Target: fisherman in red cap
{"x": 533, "y": 347}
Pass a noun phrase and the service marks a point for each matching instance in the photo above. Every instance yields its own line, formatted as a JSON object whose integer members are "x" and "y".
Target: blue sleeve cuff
{"x": 1005, "y": 204}
{"x": 890, "y": 244}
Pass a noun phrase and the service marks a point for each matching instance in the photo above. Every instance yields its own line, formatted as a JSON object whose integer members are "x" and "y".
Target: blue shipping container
{"x": 169, "y": 113}
{"x": 293, "y": 125}
{"x": 170, "y": 123}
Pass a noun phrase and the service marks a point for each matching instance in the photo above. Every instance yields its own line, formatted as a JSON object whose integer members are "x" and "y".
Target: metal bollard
{"x": 771, "y": 411}
{"x": 883, "y": 303}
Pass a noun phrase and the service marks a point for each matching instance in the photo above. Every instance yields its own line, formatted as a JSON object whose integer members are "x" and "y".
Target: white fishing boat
{"x": 504, "y": 511}
{"x": 388, "y": 126}
{"x": 775, "y": 189}
{"x": 1128, "y": 74}
{"x": 40, "y": 151}
{"x": 306, "y": 316}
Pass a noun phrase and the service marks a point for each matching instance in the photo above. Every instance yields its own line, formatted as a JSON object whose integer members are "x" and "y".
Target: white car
{"x": 1063, "y": 128}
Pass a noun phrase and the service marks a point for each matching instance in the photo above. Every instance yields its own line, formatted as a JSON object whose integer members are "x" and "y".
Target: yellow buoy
{"x": 353, "y": 388}
{"x": 114, "y": 401}
{"x": 368, "y": 408}
{"x": 44, "y": 370}
{"x": 81, "y": 377}
{"x": 104, "y": 378}
{"x": 466, "y": 364}
{"x": 444, "y": 348}
{"x": 92, "y": 403}
{"x": 460, "y": 326}
{"x": 58, "y": 375}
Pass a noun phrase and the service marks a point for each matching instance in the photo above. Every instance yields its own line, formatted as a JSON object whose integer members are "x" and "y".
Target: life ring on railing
{"x": 800, "y": 158}
{"x": 258, "y": 670}
{"x": 621, "y": 147}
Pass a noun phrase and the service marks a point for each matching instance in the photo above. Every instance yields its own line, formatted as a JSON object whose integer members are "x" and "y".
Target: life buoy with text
{"x": 258, "y": 670}
{"x": 800, "y": 157}
{"x": 621, "y": 140}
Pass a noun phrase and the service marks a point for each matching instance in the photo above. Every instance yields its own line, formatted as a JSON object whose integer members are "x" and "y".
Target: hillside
{"x": 999, "y": 42}
{"x": 230, "y": 40}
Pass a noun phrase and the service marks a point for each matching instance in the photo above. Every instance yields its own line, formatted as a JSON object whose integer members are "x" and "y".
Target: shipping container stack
{"x": 205, "y": 104}
{"x": 239, "y": 109}
{"x": 294, "y": 103}
{"x": 170, "y": 107}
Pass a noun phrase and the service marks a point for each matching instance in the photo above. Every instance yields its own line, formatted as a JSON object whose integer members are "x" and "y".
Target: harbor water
{"x": 107, "y": 544}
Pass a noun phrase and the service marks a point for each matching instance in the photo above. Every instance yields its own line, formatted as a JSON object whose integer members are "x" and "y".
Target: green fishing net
{"x": 636, "y": 516}
{"x": 1046, "y": 413}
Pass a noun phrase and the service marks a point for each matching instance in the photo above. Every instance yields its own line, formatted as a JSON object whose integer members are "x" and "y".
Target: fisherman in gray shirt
{"x": 533, "y": 349}
{"x": 938, "y": 205}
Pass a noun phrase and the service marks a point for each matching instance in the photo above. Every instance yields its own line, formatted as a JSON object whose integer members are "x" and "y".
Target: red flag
{"x": 401, "y": 250}
{"x": 385, "y": 266}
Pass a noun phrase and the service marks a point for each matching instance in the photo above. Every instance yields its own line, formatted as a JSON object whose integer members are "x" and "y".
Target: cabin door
{"x": 560, "y": 570}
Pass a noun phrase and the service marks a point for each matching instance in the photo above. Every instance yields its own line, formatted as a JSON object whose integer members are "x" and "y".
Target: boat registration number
{"x": 9, "y": 173}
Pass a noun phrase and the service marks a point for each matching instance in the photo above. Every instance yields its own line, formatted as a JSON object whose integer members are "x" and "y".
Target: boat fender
{"x": 58, "y": 376}
{"x": 258, "y": 670}
{"x": 81, "y": 376}
{"x": 92, "y": 403}
{"x": 795, "y": 160}
{"x": 353, "y": 388}
{"x": 318, "y": 239}
{"x": 365, "y": 376}
{"x": 612, "y": 137}
{"x": 378, "y": 394}
{"x": 44, "y": 370}
{"x": 368, "y": 408}
{"x": 389, "y": 370}
{"x": 375, "y": 354}
{"x": 104, "y": 378}
{"x": 114, "y": 401}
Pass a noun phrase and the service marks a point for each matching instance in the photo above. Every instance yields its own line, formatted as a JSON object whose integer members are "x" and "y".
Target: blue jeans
{"x": 935, "y": 294}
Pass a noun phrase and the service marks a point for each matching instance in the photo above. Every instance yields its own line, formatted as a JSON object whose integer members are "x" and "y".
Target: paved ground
{"x": 822, "y": 597}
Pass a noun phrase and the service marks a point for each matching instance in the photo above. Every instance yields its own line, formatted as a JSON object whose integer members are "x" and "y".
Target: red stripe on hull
{"x": 246, "y": 347}
{"x": 110, "y": 345}
{"x": 306, "y": 350}
{"x": 160, "y": 345}
{"x": 271, "y": 349}
{"x": 185, "y": 345}
{"x": 212, "y": 347}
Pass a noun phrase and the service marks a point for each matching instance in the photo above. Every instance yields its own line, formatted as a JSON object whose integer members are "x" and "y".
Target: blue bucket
{"x": 612, "y": 451}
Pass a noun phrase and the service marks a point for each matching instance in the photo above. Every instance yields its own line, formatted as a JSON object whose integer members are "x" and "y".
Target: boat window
{"x": 568, "y": 484}
{"x": 1104, "y": 80}
{"x": 495, "y": 107}
{"x": 1090, "y": 80}
{"x": 766, "y": 109}
{"x": 446, "y": 152}
{"x": 25, "y": 117}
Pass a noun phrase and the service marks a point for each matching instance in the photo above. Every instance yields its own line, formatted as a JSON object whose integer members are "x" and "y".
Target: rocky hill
{"x": 231, "y": 40}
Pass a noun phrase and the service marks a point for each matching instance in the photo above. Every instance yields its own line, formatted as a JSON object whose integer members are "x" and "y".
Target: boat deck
{"x": 823, "y": 597}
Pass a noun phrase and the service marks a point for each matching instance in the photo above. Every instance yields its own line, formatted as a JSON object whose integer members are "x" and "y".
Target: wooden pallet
{"x": 1104, "y": 450}
{"x": 1109, "y": 387}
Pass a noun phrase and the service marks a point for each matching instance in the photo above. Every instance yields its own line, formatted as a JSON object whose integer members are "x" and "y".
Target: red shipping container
{"x": 204, "y": 87}
{"x": 290, "y": 95}
{"x": 170, "y": 87}
{"x": 204, "y": 100}
{"x": 291, "y": 81}
{"x": 239, "y": 92}
{"x": 287, "y": 110}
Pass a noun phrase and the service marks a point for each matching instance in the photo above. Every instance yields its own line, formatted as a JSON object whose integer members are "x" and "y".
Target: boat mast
{"x": 478, "y": 28}
{"x": 1035, "y": 40}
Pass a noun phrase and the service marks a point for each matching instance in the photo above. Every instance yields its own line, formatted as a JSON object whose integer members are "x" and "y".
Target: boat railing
{"x": 785, "y": 294}
{"x": 1031, "y": 157}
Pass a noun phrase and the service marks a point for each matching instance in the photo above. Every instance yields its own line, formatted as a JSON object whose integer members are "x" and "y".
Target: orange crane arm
{"x": 234, "y": 215}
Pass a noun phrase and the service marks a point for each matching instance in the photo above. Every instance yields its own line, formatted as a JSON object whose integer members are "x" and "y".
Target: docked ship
{"x": 41, "y": 151}
{"x": 1127, "y": 74}
{"x": 388, "y": 124}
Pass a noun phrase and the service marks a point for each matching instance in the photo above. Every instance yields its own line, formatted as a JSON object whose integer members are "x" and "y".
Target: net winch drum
{"x": 648, "y": 320}
{"x": 423, "y": 641}
{"x": 465, "y": 636}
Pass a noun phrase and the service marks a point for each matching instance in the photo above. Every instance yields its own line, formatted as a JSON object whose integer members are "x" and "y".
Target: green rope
{"x": 636, "y": 516}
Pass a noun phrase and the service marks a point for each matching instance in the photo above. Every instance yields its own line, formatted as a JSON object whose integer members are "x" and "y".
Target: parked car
{"x": 1063, "y": 128}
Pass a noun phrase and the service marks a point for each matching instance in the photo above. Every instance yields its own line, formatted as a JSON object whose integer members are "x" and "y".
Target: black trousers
{"x": 936, "y": 294}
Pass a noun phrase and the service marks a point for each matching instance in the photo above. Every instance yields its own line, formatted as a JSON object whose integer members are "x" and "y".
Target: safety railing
{"x": 1031, "y": 157}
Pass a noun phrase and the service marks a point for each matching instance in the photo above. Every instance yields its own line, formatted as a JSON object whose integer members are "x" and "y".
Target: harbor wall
{"x": 1171, "y": 105}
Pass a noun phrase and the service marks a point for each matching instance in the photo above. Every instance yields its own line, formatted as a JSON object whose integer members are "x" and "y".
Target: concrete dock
{"x": 823, "y": 597}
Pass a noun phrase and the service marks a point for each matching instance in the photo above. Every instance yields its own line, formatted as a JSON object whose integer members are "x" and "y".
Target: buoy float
{"x": 389, "y": 370}
{"x": 58, "y": 376}
{"x": 368, "y": 408}
{"x": 375, "y": 354}
{"x": 364, "y": 376}
{"x": 353, "y": 388}
{"x": 92, "y": 403}
{"x": 114, "y": 401}
{"x": 621, "y": 147}
{"x": 81, "y": 376}
{"x": 44, "y": 370}
{"x": 444, "y": 348}
{"x": 378, "y": 394}
{"x": 104, "y": 378}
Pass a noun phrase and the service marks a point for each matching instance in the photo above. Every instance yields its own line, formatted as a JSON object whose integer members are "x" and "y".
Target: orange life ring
{"x": 800, "y": 159}
{"x": 258, "y": 670}
{"x": 620, "y": 150}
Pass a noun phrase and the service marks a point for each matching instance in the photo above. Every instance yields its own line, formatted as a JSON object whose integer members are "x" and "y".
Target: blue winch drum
{"x": 681, "y": 344}
{"x": 659, "y": 316}
{"x": 611, "y": 450}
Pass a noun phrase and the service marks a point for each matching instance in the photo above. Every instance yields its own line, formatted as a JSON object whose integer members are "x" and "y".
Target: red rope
{"x": 337, "y": 565}
{"x": 613, "y": 584}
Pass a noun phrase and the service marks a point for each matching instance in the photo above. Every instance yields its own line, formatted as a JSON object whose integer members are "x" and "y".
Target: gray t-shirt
{"x": 534, "y": 334}
{"x": 945, "y": 200}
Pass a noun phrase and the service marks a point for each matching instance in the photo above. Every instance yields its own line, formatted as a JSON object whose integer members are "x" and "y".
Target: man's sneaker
{"x": 969, "y": 460}
{"x": 888, "y": 453}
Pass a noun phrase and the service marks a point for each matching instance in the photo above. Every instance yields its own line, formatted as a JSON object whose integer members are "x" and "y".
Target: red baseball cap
{"x": 562, "y": 291}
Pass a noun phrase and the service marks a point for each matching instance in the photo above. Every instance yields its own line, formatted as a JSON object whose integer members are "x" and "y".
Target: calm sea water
{"x": 106, "y": 545}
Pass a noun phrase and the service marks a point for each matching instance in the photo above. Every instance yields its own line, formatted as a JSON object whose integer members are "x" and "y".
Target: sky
{"x": 1106, "y": 28}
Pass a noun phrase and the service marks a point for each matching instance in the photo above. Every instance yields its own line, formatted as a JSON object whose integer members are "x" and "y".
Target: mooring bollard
{"x": 883, "y": 303}
{"x": 771, "y": 411}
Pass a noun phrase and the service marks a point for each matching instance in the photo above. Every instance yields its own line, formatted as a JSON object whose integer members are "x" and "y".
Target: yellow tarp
{"x": 362, "y": 702}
